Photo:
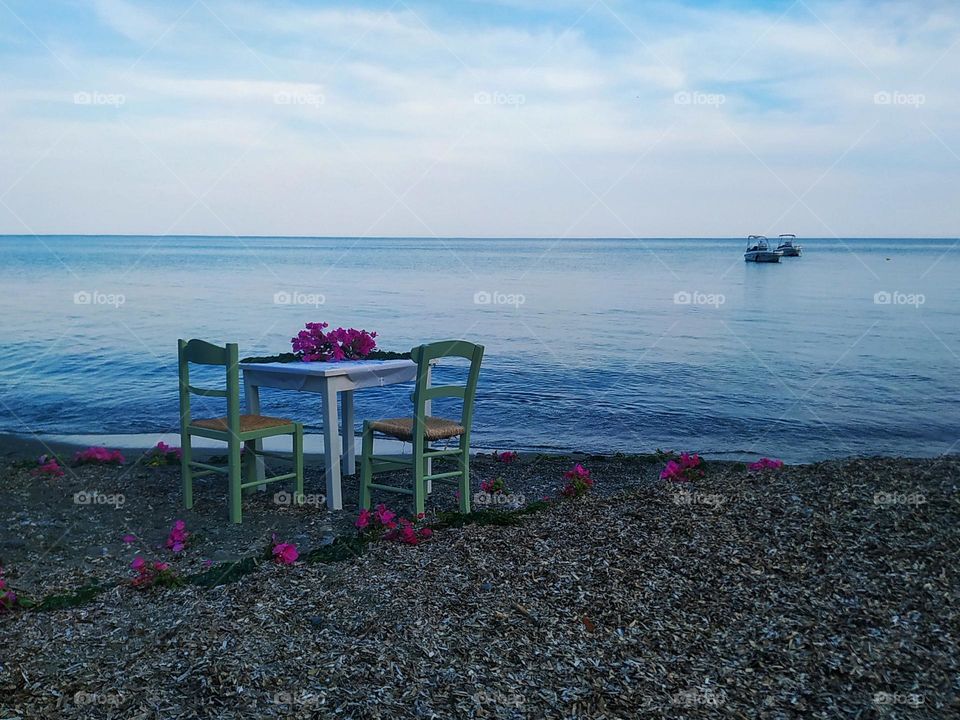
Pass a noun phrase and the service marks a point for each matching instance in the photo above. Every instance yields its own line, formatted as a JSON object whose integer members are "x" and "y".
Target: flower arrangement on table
{"x": 317, "y": 344}
{"x": 313, "y": 344}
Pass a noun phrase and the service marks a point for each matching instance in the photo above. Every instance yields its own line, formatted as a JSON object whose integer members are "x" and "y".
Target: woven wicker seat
{"x": 248, "y": 423}
{"x": 243, "y": 471}
{"x": 402, "y": 428}
{"x": 419, "y": 462}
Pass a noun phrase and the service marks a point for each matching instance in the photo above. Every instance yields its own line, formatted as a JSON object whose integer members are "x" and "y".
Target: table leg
{"x": 252, "y": 393}
{"x": 349, "y": 460}
{"x": 427, "y": 406}
{"x": 331, "y": 447}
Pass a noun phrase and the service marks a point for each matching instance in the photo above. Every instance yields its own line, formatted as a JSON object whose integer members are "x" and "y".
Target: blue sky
{"x": 510, "y": 118}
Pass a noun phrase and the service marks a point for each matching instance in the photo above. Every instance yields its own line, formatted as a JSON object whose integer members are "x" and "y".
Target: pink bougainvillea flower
{"x": 496, "y": 485}
{"x": 314, "y": 344}
{"x": 177, "y": 539}
{"x": 138, "y": 563}
{"x": 766, "y": 464}
{"x": 689, "y": 461}
{"x": 50, "y": 468}
{"x": 165, "y": 449}
{"x": 578, "y": 482}
{"x": 129, "y": 538}
{"x": 672, "y": 471}
{"x": 98, "y": 456}
{"x": 285, "y": 553}
{"x": 363, "y": 519}
{"x": 506, "y": 457}
{"x": 426, "y": 533}
{"x": 161, "y": 566}
{"x": 384, "y": 515}
{"x": 579, "y": 471}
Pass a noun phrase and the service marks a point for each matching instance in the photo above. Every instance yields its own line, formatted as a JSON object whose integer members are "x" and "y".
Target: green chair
{"x": 233, "y": 428}
{"x": 422, "y": 429}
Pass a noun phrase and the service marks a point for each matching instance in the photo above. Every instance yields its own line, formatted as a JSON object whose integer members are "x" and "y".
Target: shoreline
{"x": 16, "y": 445}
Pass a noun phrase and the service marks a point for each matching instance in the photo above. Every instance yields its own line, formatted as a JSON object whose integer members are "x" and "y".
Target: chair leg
{"x": 236, "y": 500}
{"x": 248, "y": 461}
{"x": 419, "y": 484}
{"x": 465, "y": 481}
{"x": 298, "y": 462}
{"x": 366, "y": 466}
{"x": 186, "y": 473}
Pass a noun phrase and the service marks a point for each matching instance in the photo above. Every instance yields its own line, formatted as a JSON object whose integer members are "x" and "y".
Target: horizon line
{"x": 474, "y": 237}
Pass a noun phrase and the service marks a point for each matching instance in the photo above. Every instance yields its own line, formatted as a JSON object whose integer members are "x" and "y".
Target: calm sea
{"x": 599, "y": 345}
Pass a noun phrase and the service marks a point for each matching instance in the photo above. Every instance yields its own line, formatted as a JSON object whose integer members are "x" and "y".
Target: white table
{"x": 328, "y": 379}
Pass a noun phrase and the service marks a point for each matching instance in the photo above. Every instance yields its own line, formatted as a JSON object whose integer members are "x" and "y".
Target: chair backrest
{"x": 423, "y": 355}
{"x": 201, "y": 352}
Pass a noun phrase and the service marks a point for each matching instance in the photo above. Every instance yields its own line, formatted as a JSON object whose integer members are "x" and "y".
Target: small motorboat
{"x": 758, "y": 250}
{"x": 788, "y": 245}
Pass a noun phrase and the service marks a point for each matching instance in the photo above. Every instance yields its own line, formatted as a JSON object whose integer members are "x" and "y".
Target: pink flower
{"x": 506, "y": 457}
{"x": 673, "y": 471}
{"x": 426, "y": 533}
{"x": 766, "y": 464}
{"x": 138, "y": 563}
{"x": 384, "y": 515}
{"x": 579, "y": 471}
{"x": 207, "y": 563}
{"x": 578, "y": 481}
{"x": 161, "y": 566}
{"x": 285, "y": 553}
{"x": 363, "y": 519}
{"x": 689, "y": 461}
{"x": 129, "y": 539}
{"x": 50, "y": 468}
{"x": 313, "y": 343}
{"x": 98, "y": 456}
{"x": 177, "y": 539}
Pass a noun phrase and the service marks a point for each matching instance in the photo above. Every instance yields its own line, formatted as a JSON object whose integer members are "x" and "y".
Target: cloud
{"x": 695, "y": 120}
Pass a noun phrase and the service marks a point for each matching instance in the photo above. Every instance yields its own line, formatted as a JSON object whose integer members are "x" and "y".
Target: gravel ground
{"x": 56, "y": 542}
{"x": 821, "y": 591}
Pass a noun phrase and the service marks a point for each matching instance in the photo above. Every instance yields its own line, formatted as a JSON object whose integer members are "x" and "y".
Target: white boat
{"x": 758, "y": 250}
{"x": 788, "y": 245}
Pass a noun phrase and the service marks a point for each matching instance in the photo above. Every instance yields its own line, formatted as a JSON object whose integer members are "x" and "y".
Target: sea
{"x": 595, "y": 345}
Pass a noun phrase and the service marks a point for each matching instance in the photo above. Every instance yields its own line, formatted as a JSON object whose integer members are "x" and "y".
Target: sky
{"x": 510, "y": 118}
